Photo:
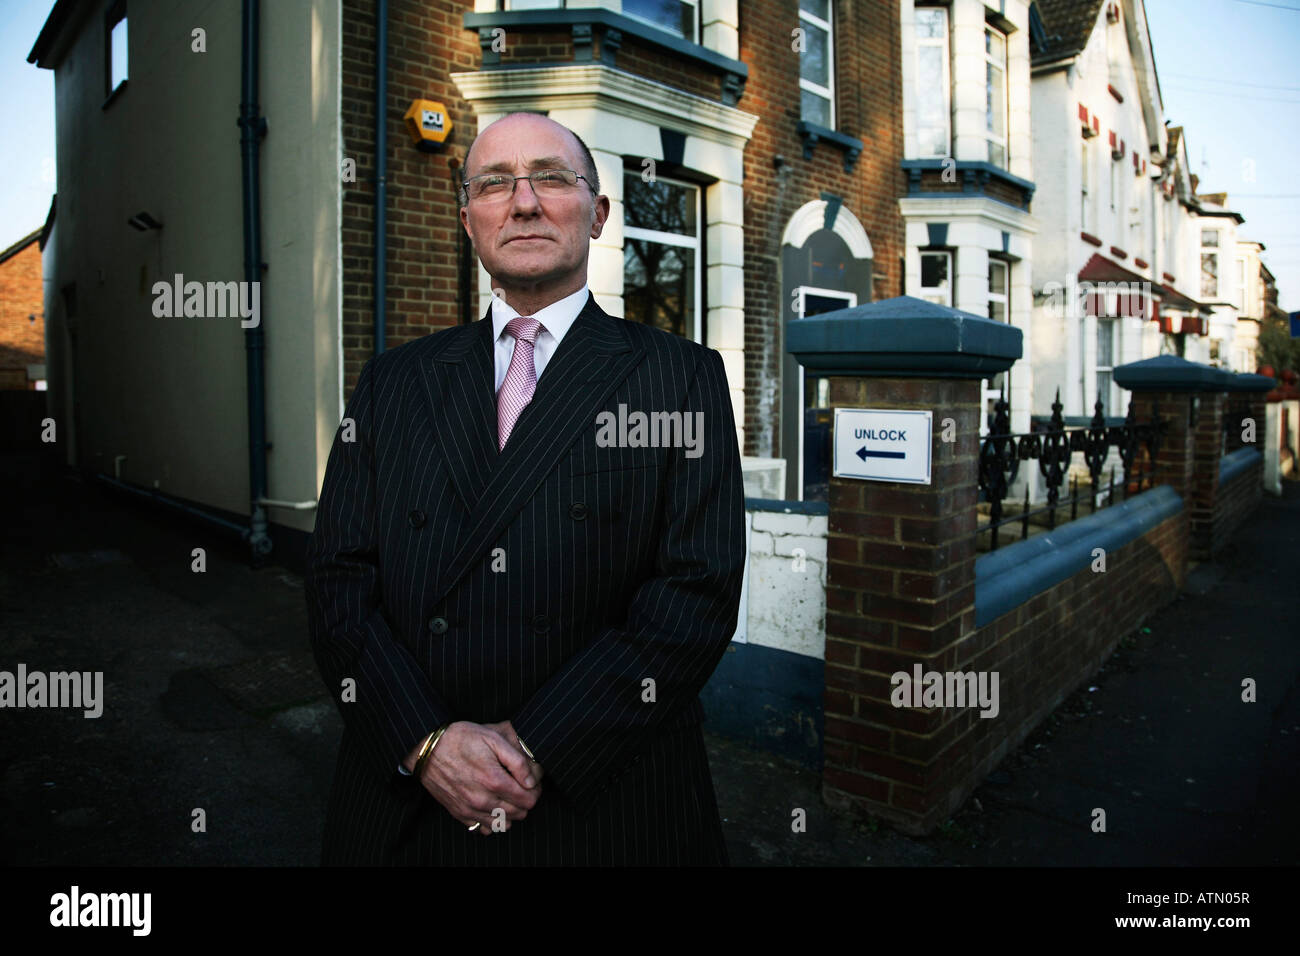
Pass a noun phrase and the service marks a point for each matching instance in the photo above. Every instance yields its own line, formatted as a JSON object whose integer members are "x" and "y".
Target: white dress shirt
{"x": 556, "y": 320}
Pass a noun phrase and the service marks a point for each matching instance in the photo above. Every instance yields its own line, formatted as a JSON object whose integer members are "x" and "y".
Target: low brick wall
{"x": 1240, "y": 488}
{"x": 925, "y": 761}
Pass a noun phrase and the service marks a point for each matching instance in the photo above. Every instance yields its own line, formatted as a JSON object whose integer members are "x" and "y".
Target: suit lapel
{"x": 595, "y": 356}
{"x": 459, "y": 383}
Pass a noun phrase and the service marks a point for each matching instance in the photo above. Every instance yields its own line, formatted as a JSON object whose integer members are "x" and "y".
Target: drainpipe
{"x": 252, "y": 128}
{"x": 381, "y": 172}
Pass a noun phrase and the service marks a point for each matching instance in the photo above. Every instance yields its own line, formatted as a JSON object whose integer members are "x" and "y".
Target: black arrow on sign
{"x": 864, "y": 454}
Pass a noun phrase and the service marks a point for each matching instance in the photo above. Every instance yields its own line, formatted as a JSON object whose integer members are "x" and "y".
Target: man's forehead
{"x": 535, "y": 143}
{"x": 540, "y": 162}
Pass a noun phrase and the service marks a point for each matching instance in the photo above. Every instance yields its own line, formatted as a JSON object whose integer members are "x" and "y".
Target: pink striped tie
{"x": 521, "y": 378}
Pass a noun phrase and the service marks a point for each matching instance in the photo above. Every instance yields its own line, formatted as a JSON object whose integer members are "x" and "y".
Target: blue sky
{"x": 1227, "y": 76}
{"x": 26, "y": 122}
{"x": 1225, "y": 70}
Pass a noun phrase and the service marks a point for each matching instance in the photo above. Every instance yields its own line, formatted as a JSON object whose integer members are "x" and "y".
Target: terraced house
{"x": 1131, "y": 261}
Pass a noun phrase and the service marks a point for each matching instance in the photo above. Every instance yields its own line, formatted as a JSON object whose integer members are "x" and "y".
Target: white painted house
{"x": 1130, "y": 262}
{"x": 969, "y": 160}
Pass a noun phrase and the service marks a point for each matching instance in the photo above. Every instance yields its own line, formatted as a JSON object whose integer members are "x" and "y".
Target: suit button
{"x": 540, "y": 624}
{"x": 577, "y": 511}
{"x": 416, "y": 518}
{"x": 438, "y": 625}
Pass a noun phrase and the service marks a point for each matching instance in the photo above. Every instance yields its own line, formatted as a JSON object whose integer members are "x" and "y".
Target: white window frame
{"x": 695, "y": 21}
{"x": 989, "y": 60}
{"x": 825, "y": 92}
{"x": 1003, "y": 297}
{"x": 1241, "y": 285}
{"x": 694, "y": 243}
{"x": 1114, "y": 324}
{"x": 937, "y": 294}
{"x": 946, "y": 84}
{"x": 850, "y": 300}
{"x": 1085, "y": 180}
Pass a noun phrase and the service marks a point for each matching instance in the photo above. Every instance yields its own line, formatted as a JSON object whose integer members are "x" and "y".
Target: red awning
{"x": 1173, "y": 299}
{"x": 1116, "y": 292}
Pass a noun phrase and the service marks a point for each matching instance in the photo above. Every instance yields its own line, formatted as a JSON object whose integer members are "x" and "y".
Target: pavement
{"x": 216, "y": 745}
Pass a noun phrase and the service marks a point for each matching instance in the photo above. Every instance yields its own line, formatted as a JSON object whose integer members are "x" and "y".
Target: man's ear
{"x": 600, "y": 213}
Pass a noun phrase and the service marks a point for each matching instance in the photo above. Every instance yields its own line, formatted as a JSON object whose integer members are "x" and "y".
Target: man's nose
{"x": 525, "y": 197}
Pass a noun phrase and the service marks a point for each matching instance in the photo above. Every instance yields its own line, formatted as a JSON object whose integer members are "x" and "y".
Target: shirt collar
{"x": 556, "y": 318}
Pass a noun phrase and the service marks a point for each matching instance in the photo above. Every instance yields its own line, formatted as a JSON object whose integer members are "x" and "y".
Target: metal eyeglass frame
{"x": 515, "y": 185}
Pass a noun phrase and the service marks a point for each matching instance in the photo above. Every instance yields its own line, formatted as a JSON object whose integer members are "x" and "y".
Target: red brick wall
{"x": 22, "y": 340}
{"x": 1235, "y": 501}
{"x": 870, "y": 108}
{"x": 426, "y": 43}
{"x": 915, "y": 766}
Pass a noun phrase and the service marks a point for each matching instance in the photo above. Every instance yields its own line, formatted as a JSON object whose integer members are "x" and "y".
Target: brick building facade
{"x": 22, "y": 314}
{"x": 790, "y": 189}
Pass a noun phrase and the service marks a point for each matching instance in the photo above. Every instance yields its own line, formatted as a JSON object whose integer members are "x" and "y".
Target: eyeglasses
{"x": 545, "y": 182}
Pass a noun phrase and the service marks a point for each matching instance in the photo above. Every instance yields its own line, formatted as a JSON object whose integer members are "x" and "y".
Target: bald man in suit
{"x": 516, "y": 591}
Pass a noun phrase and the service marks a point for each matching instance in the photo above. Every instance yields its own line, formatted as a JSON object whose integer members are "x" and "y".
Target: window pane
{"x": 995, "y": 101}
{"x": 660, "y": 205}
{"x": 931, "y": 23}
{"x": 659, "y": 286}
{"x": 814, "y": 304}
{"x": 818, "y": 8}
{"x": 998, "y": 278}
{"x": 931, "y": 101}
{"x": 119, "y": 72}
{"x": 671, "y": 15}
{"x": 995, "y": 45}
{"x": 815, "y": 108}
{"x": 1105, "y": 343}
{"x": 814, "y": 64}
{"x": 533, "y": 4}
{"x": 1209, "y": 273}
{"x": 934, "y": 271}
{"x": 1209, "y": 237}
{"x": 1103, "y": 391}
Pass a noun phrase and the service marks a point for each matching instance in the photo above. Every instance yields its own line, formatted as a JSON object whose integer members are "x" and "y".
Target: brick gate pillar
{"x": 1190, "y": 399}
{"x": 901, "y": 557}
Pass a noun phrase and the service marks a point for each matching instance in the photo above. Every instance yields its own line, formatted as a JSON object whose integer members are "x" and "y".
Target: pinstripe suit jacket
{"x": 543, "y": 584}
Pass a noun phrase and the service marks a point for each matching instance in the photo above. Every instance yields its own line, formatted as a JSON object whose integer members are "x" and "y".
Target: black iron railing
{"x": 1053, "y": 447}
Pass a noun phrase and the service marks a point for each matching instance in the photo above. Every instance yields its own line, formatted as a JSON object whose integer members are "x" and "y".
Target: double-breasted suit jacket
{"x": 581, "y": 588}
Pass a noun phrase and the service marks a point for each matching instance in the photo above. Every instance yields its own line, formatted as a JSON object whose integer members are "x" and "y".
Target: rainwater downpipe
{"x": 252, "y": 128}
{"x": 381, "y": 172}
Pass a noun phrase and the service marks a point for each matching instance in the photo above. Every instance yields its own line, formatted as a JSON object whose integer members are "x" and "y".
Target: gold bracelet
{"x": 426, "y": 748}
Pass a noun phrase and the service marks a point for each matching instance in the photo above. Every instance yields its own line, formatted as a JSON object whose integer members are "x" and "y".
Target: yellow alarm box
{"x": 427, "y": 122}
